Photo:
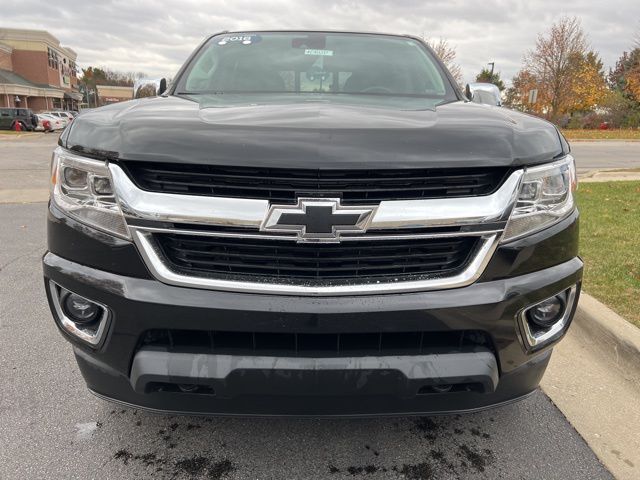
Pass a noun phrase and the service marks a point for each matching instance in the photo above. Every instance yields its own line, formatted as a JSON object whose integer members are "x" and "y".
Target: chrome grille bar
{"x": 234, "y": 212}
{"x": 159, "y": 268}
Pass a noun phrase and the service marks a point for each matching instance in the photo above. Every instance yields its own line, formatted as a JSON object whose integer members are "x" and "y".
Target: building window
{"x": 53, "y": 58}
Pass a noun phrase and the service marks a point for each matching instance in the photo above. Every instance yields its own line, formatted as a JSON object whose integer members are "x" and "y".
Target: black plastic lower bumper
{"x": 124, "y": 370}
{"x": 336, "y": 394}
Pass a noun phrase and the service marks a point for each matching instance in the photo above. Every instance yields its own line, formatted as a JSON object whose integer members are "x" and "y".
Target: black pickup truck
{"x": 312, "y": 223}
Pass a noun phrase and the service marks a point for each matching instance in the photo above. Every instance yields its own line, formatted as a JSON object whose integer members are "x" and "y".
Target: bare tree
{"x": 447, "y": 54}
{"x": 554, "y": 60}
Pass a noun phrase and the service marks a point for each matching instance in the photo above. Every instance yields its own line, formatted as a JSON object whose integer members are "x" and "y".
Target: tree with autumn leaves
{"x": 624, "y": 84}
{"x": 568, "y": 76}
{"x": 447, "y": 54}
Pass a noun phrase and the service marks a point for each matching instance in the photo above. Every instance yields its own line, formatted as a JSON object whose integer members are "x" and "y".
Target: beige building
{"x": 108, "y": 94}
{"x": 36, "y": 72}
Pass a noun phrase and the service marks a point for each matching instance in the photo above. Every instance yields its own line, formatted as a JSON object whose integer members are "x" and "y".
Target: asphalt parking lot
{"x": 51, "y": 427}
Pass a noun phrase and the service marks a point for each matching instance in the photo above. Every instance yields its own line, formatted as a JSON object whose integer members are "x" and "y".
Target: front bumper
{"x": 122, "y": 370}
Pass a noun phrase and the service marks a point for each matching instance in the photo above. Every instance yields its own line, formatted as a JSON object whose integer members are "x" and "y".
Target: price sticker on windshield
{"x": 243, "y": 39}
{"x": 322, "y": 53}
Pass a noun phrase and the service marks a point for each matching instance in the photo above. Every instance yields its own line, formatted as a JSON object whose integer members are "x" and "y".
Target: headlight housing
{"x": 83, "y": 189}
{"x": 545, "y": 197}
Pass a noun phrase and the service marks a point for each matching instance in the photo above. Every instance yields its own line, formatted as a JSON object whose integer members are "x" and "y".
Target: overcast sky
{"x": 156, "y": 36}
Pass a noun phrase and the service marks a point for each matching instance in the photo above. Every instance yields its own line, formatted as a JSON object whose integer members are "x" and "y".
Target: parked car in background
{"x": 66, "y": 119}
{"x": 68, "y": 114}
{"x": 24, "y": 116}
{"x": 44, "y": 124}
{"x": 55, "y": 122}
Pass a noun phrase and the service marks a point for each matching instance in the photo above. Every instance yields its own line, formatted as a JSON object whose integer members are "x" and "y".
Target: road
{"x": 605, "y": 155}
{"x": 51, "y": 427}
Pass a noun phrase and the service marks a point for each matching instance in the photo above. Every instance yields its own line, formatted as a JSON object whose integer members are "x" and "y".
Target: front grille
{"x": 314, "y": 344}
{"x": 309, "y": 263}
{"x": 285, "y": 185}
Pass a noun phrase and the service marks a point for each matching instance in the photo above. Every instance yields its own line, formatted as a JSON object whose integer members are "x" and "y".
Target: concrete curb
{"x": 21, "y": 135}
{"x": 603, "y": 176}
{"x": 618, "y": 339}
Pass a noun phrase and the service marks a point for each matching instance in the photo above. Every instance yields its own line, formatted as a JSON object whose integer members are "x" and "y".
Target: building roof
{"x": 14, "y": 84}
{"x": 9, "y": 35}
{"x": 12, "y": 78}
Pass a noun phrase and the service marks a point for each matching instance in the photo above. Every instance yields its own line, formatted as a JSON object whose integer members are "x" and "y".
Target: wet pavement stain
{"x": 427, "y": 427}
{"x": 193, "y": 466}
{"x": 360, "y": 470}
{"x": 197, "y": 466}
{"x": 123, "y": 455}
{"x": 182, "y": 448}
{"x": 420, "y": 471}
{"x": 375, "y": 452}
{"x": 479, "y": 459}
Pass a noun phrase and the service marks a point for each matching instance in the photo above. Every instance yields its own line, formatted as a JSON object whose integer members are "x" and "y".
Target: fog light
{"x": 79, "y": 309}
{"x": 548, "y": 312}
{"x": 546, "y": 322}
{"x": 78, "y": 316}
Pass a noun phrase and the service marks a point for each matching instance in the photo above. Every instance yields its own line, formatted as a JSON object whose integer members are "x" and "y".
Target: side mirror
{"x": 484, "y": 93}
{"x": 163, "y": 86}
{"x": 149, "y": 87}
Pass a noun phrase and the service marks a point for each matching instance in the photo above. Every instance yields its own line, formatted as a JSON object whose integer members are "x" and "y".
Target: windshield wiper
{"x": 206, "y": 92}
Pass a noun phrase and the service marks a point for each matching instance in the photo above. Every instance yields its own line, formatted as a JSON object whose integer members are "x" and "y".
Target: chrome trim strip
{"x": 155, "y": 263}
{"x": 170, "y": 207}
{"x": 450, "y": 211}
{"x": 351, "y": 238}
{"x": 534, "y": 341}
{"x": 238, "y": 212}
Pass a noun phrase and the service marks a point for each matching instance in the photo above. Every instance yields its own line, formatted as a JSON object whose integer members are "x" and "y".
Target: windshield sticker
{"x": 243, "y": 39}
{"x": 323, "y": 53}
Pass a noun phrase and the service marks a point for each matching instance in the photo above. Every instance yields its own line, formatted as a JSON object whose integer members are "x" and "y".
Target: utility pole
{"x": 493, "y": 64}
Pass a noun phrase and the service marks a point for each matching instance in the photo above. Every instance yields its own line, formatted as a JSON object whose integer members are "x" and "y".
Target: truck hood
{"x": 313, "y": 135}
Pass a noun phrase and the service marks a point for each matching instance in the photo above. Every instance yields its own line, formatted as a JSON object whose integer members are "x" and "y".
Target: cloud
{"x": 156, "y": 37}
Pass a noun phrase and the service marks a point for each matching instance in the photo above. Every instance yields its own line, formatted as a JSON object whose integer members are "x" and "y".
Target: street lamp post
{"x": 493, "y": 64}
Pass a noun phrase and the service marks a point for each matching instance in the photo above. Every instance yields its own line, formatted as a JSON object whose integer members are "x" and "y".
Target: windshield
{"x": 328, "y": 65}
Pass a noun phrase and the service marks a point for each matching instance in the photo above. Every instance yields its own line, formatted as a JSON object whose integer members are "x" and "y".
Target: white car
{"x": 55, "y": 122}
{"x": 41, "y": 127}
{"x": 61, "y": 115}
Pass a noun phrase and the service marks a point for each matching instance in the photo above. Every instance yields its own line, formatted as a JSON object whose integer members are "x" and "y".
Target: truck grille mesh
{"x": 286, "y": 261}
{"x": 285, "y": 185}
{"x": 299, "y": 344}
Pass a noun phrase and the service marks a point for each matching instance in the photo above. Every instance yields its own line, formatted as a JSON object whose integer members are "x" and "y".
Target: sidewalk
{"x": 594, "y": 379}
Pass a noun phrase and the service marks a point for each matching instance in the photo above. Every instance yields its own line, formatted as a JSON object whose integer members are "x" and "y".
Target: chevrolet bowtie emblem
{"x": 318, "y": 219}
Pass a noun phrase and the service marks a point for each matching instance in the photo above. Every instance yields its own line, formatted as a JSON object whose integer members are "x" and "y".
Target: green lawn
{"x": 610, "y": 244}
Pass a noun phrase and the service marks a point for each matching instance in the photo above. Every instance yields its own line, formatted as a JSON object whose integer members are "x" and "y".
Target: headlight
{"x": 545, "y": 197}
{"x": 83, "y": 189}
